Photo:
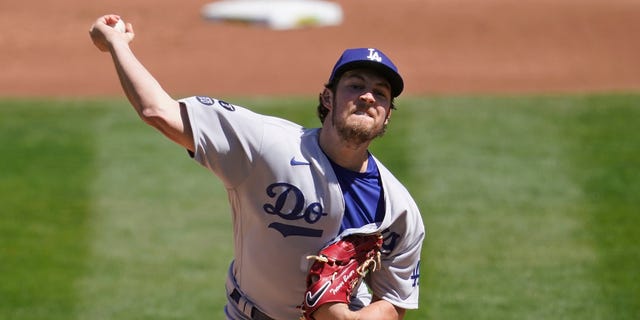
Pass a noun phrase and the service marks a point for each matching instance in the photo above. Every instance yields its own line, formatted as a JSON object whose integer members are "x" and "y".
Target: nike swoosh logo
{"x": 295, "y": 162}
{"x": 312, "y": 299}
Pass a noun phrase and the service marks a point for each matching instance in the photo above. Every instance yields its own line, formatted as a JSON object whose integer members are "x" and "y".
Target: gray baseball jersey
{"x": 286, "y": 204}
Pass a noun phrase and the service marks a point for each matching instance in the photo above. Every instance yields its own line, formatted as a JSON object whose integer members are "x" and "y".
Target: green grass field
{"x": 531, "y": 206}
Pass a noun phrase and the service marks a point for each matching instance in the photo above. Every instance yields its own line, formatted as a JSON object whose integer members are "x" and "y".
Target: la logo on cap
{"x": 373, "y": 55}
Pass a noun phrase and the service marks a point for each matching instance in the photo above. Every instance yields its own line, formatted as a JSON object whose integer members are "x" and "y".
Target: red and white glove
{"x": 338, "y": 268}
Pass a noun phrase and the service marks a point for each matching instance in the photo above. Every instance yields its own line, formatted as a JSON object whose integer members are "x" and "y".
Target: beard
{"x": 357, "y": 132}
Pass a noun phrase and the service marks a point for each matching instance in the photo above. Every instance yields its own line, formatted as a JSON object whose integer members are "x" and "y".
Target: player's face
{"x": 361, "y": 106}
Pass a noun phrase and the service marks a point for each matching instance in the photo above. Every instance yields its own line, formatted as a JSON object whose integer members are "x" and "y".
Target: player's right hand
{"x": 104, "y": 36}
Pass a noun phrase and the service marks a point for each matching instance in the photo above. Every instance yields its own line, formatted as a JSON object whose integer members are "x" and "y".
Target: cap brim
{"x": 396, "y": 82}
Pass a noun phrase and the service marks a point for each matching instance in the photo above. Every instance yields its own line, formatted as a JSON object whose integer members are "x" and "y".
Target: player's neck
{"x": 343, "y": 153}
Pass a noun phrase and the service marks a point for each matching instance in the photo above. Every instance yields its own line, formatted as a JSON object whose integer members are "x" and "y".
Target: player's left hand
{"x": 334, "y": 311}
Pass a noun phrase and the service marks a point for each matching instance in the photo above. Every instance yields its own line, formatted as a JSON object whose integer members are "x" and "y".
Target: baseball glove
{"x": 338, "y": 269}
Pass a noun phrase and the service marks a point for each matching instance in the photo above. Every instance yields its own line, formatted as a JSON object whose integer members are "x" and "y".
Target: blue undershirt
{"x": 364, "y": 203}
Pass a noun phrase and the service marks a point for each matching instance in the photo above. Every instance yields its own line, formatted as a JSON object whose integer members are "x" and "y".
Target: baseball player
{"x": 296, "y": 194}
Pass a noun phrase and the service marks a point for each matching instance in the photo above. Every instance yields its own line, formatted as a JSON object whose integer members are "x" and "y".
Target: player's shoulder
{"x": 231, "y": 110}
{"x": 387, "y": 176}
{"x": 206, "y": 101}
{"x": 278, "y": 123}
{"x": 398, "y": 193}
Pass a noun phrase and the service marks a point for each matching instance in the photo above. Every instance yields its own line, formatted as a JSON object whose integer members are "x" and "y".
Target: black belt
{"x": 255, "y": 313}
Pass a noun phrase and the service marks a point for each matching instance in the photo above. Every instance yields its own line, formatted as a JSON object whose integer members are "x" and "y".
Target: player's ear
{"x": 386, "y": 120}
{"x": 327, "y": 98}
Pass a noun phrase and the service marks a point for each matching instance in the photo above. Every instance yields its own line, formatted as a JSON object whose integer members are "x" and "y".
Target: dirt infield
{"x": 440, "y": 46}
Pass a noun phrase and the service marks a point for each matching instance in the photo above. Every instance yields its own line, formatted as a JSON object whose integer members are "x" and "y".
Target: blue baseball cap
{"x": 369, "y": 58}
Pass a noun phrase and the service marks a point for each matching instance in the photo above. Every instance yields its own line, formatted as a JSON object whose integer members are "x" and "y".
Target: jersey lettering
{"x": 289, "y": 204}
{"x": 373, "y": 55}
{"x": 415, "y": 275}
{"x": 389, "y": 242}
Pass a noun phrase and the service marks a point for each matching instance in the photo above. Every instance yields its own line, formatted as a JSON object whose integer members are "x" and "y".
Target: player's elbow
{"x": 151, "y": 115}
{"x": 157, "y": 114}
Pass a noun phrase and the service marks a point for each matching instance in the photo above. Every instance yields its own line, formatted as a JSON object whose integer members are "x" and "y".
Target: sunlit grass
{"x": 530, "y": 205}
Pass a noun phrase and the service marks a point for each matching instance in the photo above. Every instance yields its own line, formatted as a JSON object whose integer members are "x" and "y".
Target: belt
{"x": 256, "y": 314}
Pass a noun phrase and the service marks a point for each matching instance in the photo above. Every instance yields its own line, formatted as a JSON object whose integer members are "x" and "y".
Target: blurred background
{"x": 440, "y": 46}
{"x": 517, "y": 135}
